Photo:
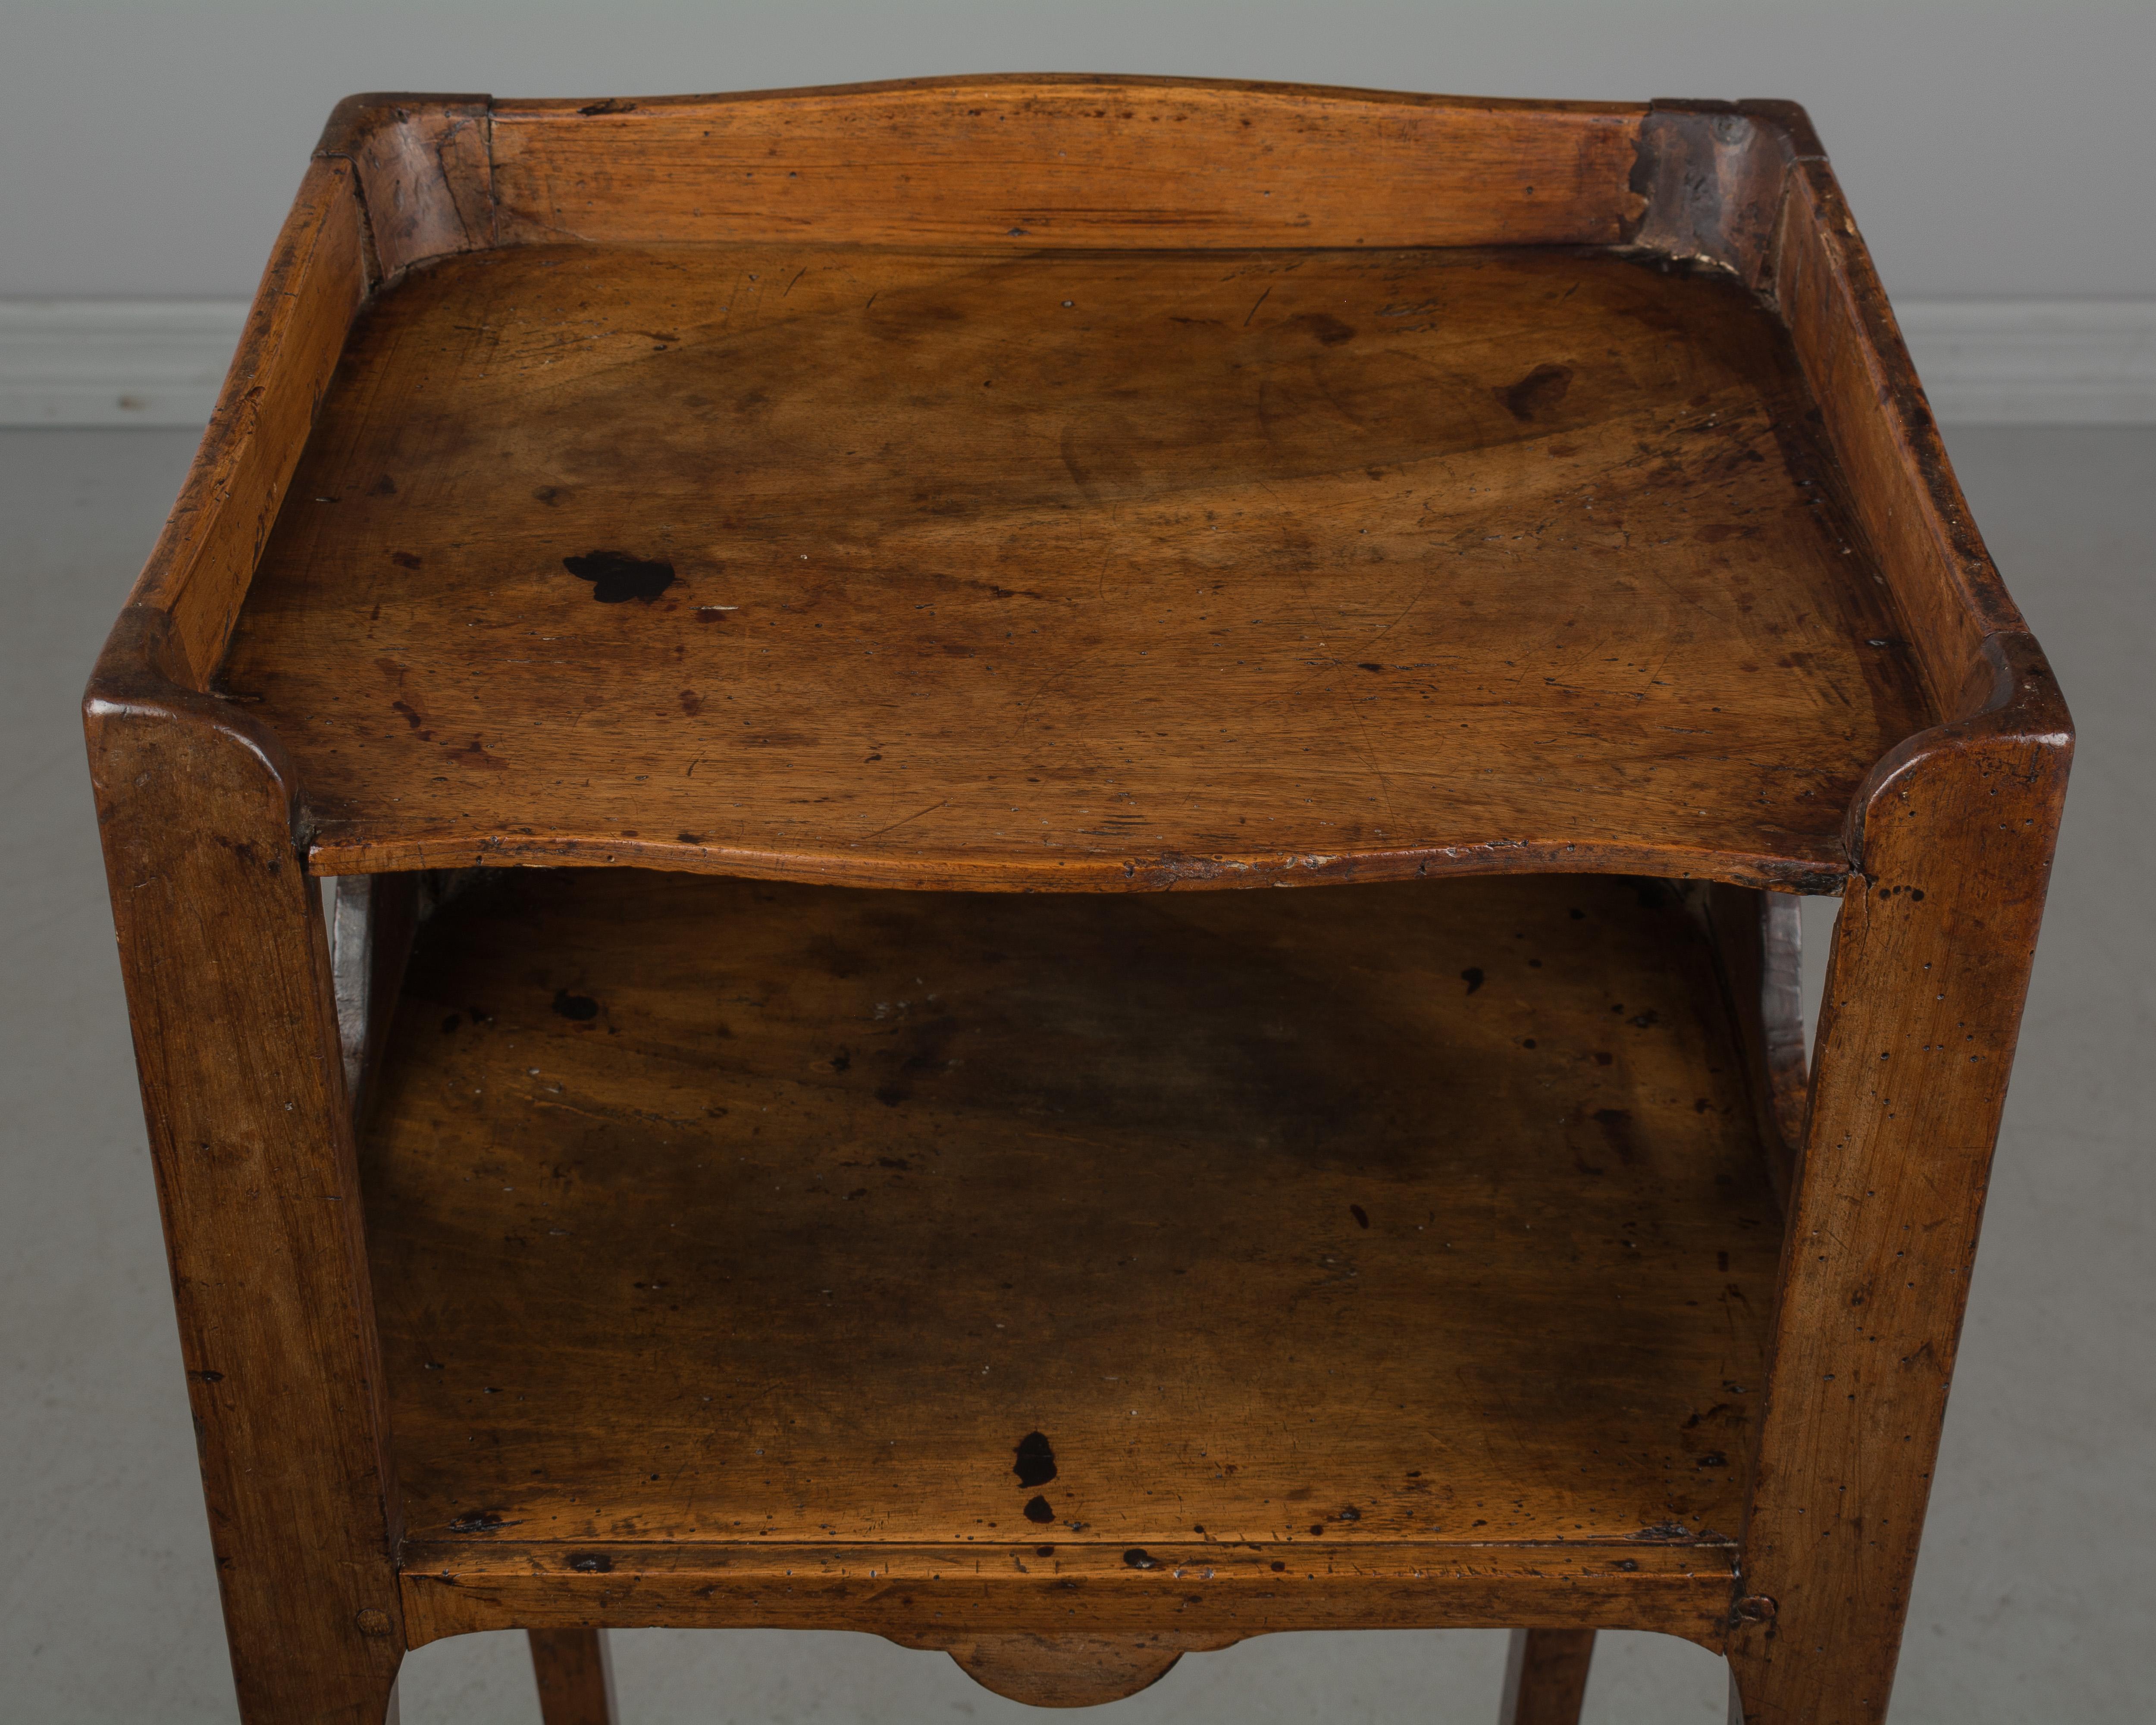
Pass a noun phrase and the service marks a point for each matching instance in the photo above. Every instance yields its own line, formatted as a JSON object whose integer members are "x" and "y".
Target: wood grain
{"x": 222, "y": 948}
{"x": 575, "y": 1676}
{"x": 1073, "y": 571}
{"x": 425, "y": 169}
{"x": 798, "y": 1215}
{"x": 944, "y": 1596}
{"x": 1020, "y": 163}
{"x": 199, "y": 570}
{"x": 1924, "y": 989}
{"x": 1901, "y": 486}
{"x": 1546, "y": 1676}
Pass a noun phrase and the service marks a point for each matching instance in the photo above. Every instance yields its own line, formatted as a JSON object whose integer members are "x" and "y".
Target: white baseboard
{"x": 1983, "y": 361}
{"x": 114, "y": 362}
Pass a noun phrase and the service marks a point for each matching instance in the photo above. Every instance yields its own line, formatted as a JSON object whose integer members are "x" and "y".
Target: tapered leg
{"x": 576, "y": 1682}
{"x": 1546, "y": 1678}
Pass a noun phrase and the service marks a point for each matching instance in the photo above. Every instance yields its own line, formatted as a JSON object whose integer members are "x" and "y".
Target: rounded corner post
{"x": 1951, "y": 841}
{"x": 424, "y": 168}
{"x": 226, "y": 965}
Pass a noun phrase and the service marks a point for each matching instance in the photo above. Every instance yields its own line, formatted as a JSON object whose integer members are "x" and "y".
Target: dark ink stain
{"x": 451, "y": 1022}
{"x": 1366, "y": 665}
{"x": 1537, "y": 394}
{"x": 1627, "y": 1564}
{"x": 904, "y": 1166}
{"x": 580, "y": 1007}
{"x": 692, "y": 703}
{"x": 841, "y": 1060}
{"x": 1044, "y": 1551}
{"x": 405, "y": 560}
{"x": 592, "y": 1563}
{"x": 1278, "y": 1566}
{"x": 688, "y": 838}
{"x": 617, "y": 577}
{"x": 1138, "y": 1558}
{"x": 1602, "y": 1059}
{"x": 1361, "y": 1215}
{"x": 550, "y": 494}
{"x": 1037, "y": 1509}
{"x": 1317, "y": 1527}
{"x": 479, "y": 1521}
{"x": 1036, "y": 1461}
{"x": 383, "y": 487}
{"x": 410, "y": 713}
{"x": 1916, "y": 894}
{"x": 1472, "y": 976}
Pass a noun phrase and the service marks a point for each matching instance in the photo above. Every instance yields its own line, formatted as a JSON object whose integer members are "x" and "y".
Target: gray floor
{"x": 2032, "y": 1602}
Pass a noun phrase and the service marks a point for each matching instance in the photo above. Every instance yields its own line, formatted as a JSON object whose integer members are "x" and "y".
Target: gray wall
{"x": 147, "y": 148}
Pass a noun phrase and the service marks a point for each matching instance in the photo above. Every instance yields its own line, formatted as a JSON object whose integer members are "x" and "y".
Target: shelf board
{"x": 1095, "y": 569}
{"x": 1422, "y": 1220}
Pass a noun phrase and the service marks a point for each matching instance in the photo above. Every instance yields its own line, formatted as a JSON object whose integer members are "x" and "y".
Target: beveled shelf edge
{"x": 456, "y": 1587}
{"x": 972, "y": 872}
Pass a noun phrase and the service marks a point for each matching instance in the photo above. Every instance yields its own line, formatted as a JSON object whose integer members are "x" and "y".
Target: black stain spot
{"x": 1537, "y": 394}
{"x": 692, "y": 703}
{"x": 617, "y": 577}
{"x": 1139, "y": 1558}
{"x": 1278, "y": 1566}
{"x": 1627, "y": 1564}
{"x": 688, "y": 838}
{"x": 1361, "y": 1215}
{"x": 1044, "y": 1551}
{"x": 1037, "y": 1509}
{"x": 1317, "y": 1527}
{"x": 1036, "y": 1461}
{"x": 1662, "y": 1530}
{"x": 591, "y": 1562}
{"x": 451, "y": 1022}
{"x": 479, "y": 1521}
{"x": 841, "y": 1060}
{"x": 1472, "y": 976}
{"x": 550, "y": 494}
{"x": 1364, "y": 664}
{"x": 405, "y": 560}
{"x": 383, "y": 487}
{"x": 580, "y": 1007}
{"x": 1915, "y": 893}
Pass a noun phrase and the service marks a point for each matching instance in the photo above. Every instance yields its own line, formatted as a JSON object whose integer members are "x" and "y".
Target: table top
{"x": 1073, "y": 569}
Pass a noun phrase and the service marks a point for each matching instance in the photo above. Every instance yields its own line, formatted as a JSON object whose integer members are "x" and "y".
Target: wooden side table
{"x": 784, "y": 617}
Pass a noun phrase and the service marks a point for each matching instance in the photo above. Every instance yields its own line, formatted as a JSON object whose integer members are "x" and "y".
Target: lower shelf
{"x": 748, "y": 1253}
